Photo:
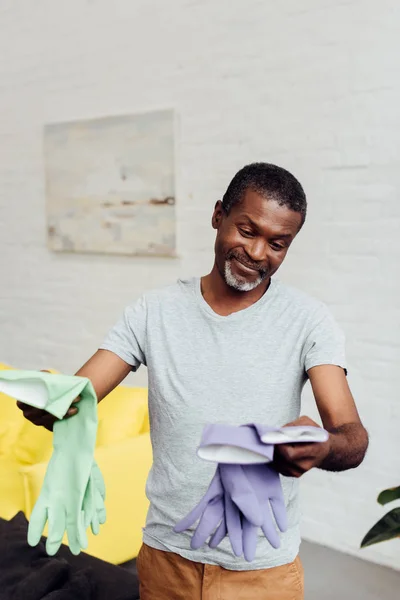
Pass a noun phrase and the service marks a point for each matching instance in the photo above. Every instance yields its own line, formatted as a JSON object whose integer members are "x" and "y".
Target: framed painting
{"x": 110, "y": 185}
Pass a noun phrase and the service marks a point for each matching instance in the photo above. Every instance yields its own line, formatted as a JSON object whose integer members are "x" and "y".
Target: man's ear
{"x": 217, "y": 215}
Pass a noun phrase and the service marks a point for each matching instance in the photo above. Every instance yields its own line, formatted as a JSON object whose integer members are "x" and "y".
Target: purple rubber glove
{"x": 291, "y": 434}
{"x": 245, "y": 492}
{"x": 234, "y": 445}
{"x": 230, "y": 499}
{"x": 231, "y": 524}
{"x": 265, "y": 482}
{"x": 211, "y": 510}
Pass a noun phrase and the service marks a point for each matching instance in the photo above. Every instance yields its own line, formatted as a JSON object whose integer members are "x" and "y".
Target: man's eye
{"x": 246, "y": 232}
{"x": 276, "y": 246}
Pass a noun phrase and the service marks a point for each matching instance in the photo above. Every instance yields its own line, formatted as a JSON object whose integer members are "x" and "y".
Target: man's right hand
{"x": 105, "y": 370}
{"x": 37, "y": 416}
{"x": 40, "y": 417}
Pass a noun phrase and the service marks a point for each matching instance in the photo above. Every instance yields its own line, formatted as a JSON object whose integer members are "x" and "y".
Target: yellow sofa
{"x": 123, "y": 453}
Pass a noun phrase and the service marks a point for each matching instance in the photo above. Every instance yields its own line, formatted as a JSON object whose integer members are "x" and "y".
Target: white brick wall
{"x": 312, "y": 85}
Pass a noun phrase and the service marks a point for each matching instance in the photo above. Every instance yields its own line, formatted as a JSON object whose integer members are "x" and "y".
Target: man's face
{"x": 252, "y": 240}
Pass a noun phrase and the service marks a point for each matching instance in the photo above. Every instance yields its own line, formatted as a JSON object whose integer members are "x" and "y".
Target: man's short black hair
{"x": 275, "y": 183}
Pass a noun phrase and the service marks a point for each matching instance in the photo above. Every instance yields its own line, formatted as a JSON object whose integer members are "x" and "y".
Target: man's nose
{"x": 257, "y": 250}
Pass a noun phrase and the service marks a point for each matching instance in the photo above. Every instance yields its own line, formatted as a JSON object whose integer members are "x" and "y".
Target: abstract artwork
{"x": 110, "y": 185}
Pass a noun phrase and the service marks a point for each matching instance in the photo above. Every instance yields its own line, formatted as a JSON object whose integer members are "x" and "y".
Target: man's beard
{"x": 240, "y": 283}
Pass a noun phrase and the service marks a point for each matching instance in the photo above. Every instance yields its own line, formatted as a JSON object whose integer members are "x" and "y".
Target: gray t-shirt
{"x": 203, "y": 368}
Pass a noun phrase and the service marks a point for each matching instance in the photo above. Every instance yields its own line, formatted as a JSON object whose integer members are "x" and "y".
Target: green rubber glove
{"x": 73, "y": 491}
{"x": 93, "y": 500}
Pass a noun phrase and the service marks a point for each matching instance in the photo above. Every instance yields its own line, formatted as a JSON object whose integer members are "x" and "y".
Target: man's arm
{"x": 348, "y": 439}
{"x": 104, "y": 369}
{"x": 339, "y": 415}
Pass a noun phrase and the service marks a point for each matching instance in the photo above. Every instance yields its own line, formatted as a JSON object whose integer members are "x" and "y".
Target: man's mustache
{"x": 246, "y": 263}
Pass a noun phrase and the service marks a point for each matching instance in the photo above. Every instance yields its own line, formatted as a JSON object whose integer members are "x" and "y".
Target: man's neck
{"x": 225, "y": 300}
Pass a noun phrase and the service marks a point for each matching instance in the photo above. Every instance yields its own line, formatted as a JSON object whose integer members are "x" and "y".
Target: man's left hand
{"x": 293, "y": 460}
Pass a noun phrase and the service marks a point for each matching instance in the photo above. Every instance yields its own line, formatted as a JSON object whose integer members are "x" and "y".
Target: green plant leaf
{"x": 385, "y": 529}
{"x": 389, "y": 495}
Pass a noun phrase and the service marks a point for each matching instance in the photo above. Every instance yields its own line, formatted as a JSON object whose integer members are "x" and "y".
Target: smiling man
{"x": 235, "y": 346}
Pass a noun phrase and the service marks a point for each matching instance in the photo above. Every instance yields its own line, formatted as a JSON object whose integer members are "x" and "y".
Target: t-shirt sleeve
{"x": 325, "y": 344}
{"x": 127, "y": 339}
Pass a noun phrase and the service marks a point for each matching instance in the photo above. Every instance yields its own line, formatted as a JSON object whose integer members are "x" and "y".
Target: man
{"x": 234, "y": 346}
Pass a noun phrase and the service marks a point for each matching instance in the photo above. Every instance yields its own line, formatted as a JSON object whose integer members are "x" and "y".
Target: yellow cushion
{"x": 34, "y": 444}
{"x": 121, "y": 415}
{"x": 146, "y": 423}
{"x": 18, "y": 437}
{"x": 12, "y": 495}
{"x": 11, "y": 420}
{"x": 4, "y": 367}
{"x": 9, "y": 410}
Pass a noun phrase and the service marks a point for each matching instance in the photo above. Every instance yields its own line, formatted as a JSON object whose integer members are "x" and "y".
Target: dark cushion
{"x": 30, "y": 574}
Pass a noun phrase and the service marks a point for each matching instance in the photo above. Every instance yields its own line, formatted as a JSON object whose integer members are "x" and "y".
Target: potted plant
{"x": 388, "y": 527}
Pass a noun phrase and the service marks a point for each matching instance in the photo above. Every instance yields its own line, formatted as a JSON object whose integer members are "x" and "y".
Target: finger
{"x": 209, "y": 521}
{"x": 36, "y": 416}
{"x": 45, "y": 421}
{"x": 95, "y": 524}
{"x": 100, "y": 508}
{"x": 98, "y": 480}
{"x": 77, "y": 538}
{"x": 288, "y": 470}
{"x": 279, "y": 511}
{"x": 102, "y": 515}
{"x": 234, "y": 525}
{"x": 215, "y": 490}
{"x": 81, "y": 533}
{"x": 286, "y": 467}
{"x": 72, "y": 535}
{"x": 218, "y": 535}
{"x": 241, "y": 492}
{"x": 37, "y": 523}
{"x": 31, "y": 412}
{"x": 88, "y": 504}
{"x": 49, "y": 427}
{"x": 294, "y": 452}
{"x": 270, "y": 532}
{"x": 56, "y": 530}
{"x": 249, "y": 540}
{"x": 87, "y": 518}
{"x": 94, "y": 508}
{"x": 193, "y": 516}
{"x": 71, "y": 412}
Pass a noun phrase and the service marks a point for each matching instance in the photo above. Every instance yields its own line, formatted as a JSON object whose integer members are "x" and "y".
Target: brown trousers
{"x": 168, "y": 576}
